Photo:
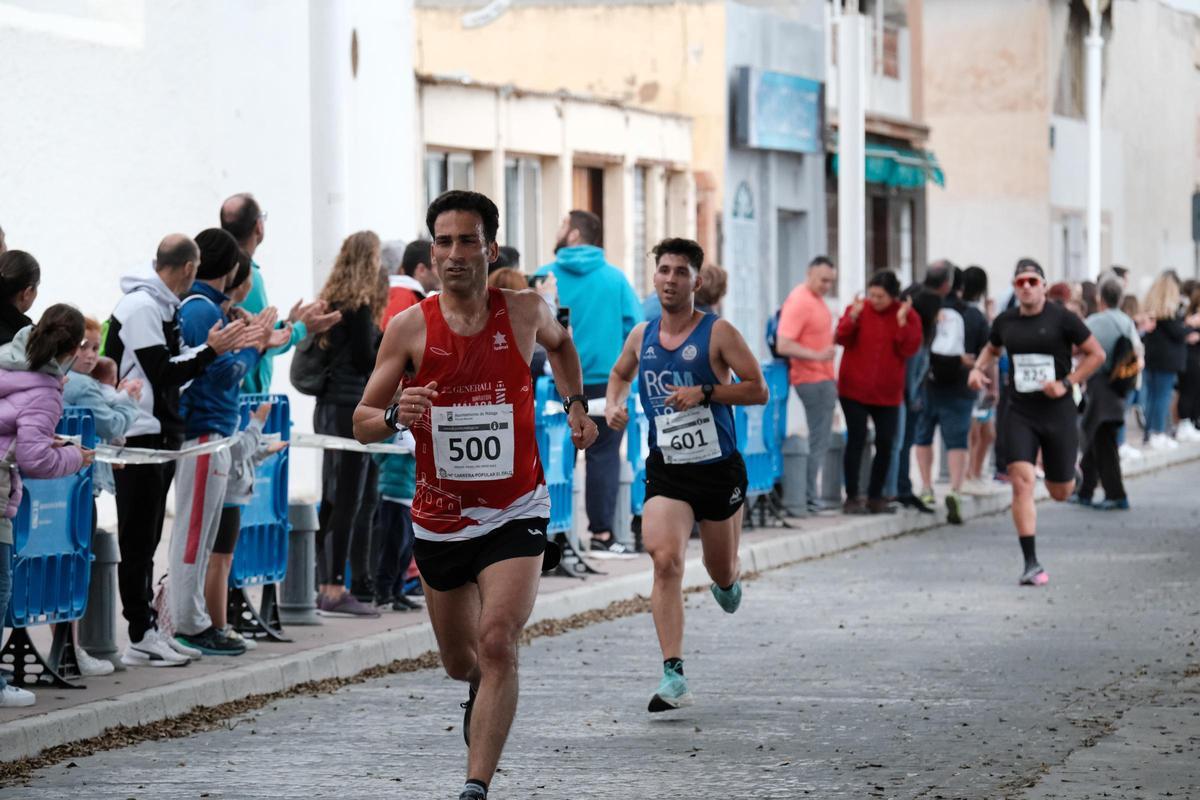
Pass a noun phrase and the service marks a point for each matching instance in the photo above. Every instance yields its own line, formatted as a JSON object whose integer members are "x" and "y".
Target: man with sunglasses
{"x": 1040, "y": 338}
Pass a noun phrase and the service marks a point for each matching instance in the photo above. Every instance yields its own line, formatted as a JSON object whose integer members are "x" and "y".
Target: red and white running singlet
{"x": 477, "y": 455}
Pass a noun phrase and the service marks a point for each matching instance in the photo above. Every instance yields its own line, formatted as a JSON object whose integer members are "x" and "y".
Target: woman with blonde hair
{"x": 1166, "y": 355}
{"x": 358, "y": 288}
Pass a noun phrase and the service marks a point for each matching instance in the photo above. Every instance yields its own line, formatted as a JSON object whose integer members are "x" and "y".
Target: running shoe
{"x": 954, "y": 509}
{"x": 16, "y": 697}
{"x": 1128, "y": 452}
{"x": 473, "y": 793}
{"x": 928, "y": 498}
{"x": 466, "y": 707}
{"x": 1077, "y": 499}
{"x": 345, "y": 606}
{"x": 231, "y": 633}
{"x": 912, "y": 501}
{"x": 728, "y": 599}
{"x": 609, "y": 548}
{"x": 153, "y": 650}
{"x": 183, "y": 649}
{"x": 402, "y": 603}
{"x": 212, "y": 642}
{"x": 1112, "y": 505}
{"x": 672, "y": 692}
{"x": 1034, "y": 576}
{"x": 90, "y": 667}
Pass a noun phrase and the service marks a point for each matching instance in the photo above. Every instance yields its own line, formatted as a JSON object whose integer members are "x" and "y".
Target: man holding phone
{"x": 597, "y": 303}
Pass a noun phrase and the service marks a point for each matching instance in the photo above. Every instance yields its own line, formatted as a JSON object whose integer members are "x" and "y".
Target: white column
{"x": 852, "y": 143}
{"x": 1095, "y": 51}
{"x": 329, "y": 39}
{"x": 618, "y": 217}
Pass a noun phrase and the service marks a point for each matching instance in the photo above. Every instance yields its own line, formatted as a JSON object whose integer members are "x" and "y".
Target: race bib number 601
{"x": 687, "y": 437}
{"x": 473, "y": 443}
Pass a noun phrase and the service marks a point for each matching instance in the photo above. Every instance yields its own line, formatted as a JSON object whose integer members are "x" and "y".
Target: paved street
{"x": 912, "y": 668}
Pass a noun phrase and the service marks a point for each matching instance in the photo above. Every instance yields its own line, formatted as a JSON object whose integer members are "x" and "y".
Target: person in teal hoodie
{"x": 393, "y": 520}
{"x": 603, "y": 309}
{"x": 245, "y": 221}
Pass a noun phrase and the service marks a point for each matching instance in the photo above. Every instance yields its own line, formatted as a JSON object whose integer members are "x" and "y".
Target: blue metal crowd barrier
{"x": 51, "y": 563}
{"x": 557, "y": 452}
{"x": 260, "y": 557}
{"x": 637, "y": 448}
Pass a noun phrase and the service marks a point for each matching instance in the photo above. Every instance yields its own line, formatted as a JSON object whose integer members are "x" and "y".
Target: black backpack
{"x": 311, "y": 365}
{"x": 773, "y": 334}
{"x": 1123, "y": 375}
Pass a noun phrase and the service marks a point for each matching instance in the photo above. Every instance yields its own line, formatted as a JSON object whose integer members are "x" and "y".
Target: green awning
{"x": 903, "y": 169}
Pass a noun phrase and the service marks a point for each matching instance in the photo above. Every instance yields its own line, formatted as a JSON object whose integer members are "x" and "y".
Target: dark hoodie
{"x": 11, "y": 321}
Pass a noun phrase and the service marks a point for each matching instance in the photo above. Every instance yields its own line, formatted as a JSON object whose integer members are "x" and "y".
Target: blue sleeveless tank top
{"x": 687, "y": 365}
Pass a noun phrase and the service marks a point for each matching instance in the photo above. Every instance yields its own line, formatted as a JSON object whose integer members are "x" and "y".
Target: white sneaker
{"x": 1186, "y": 432}
{"x": 229, "y": 632}
{"x": 16, "y": 697}
{"x": 90, "y": 667}
{"x": 183, "y": 649}
{"x": 154, "y": 650}
{"x": 1159, "y": 441}
{"x": 1128, "y": 452}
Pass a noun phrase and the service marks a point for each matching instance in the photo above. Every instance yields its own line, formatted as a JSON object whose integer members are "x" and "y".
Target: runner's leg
{"x": 719, "y": 541}
{"x": 1024, "y": 512}
{"x": 666, "y": 527}
{"x": 507, "y": 590}
{"x": 454, "y": 616}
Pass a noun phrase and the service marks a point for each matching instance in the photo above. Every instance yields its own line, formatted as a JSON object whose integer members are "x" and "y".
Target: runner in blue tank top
{"x": 684, "y": 363}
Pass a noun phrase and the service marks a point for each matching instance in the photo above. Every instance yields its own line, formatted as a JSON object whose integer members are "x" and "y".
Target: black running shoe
{"x": 472, "y": 793}
{"x": 212, "y": 642}
{"x": 402, "y": 603}
{"x": 467, "y": 706}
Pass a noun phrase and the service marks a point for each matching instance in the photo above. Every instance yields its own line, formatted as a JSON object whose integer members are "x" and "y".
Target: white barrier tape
{"x": 136, "y": 456}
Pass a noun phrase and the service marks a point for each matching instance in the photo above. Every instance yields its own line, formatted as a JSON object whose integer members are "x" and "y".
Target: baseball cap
{"x": 1029, "y": 265}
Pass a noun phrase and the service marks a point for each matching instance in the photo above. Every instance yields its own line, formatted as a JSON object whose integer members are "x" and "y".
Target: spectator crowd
{"x": 166, "y": 370}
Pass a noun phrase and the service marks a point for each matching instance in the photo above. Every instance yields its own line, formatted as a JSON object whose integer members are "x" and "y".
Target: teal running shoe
{"x": 672, "y": 692}
{"x": 728, "y": 599}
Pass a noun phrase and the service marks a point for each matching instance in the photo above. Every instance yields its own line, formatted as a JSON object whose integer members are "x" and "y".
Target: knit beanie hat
{"x": 218, "y": 254}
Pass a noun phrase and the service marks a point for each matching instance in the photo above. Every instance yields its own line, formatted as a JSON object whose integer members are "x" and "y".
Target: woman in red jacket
{"x": 879, "y": 335}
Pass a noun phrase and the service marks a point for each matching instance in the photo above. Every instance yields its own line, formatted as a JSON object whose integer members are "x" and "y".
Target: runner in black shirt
{"x": 1040, "y": 337}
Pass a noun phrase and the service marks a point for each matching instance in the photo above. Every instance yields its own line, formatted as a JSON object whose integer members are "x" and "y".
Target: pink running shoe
{"x": 1034, "y": 576}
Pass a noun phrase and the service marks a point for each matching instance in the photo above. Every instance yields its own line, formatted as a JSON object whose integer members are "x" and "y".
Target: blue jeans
{"x": 893, "y": 473}
{"x": 5, "y": 593}
{"x": 1158, "y": 386}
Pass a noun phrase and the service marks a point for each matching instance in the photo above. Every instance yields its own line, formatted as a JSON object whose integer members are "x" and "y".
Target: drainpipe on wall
{"x": 329, "y": 65}
{"x": 852, "y": 146}
{"x": 1095, "y": 50}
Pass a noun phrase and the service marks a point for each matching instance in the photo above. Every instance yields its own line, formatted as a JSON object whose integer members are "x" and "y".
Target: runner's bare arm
{"x": 978, "y": 377}
{"x": 404, "y": 334}
{"x": 1093, "y": 358}
{"x": 616, "y": 414}
{"x": 564, "y": 365}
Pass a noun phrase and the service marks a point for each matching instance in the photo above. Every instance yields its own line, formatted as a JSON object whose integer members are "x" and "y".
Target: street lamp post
{"x": 1095, "y": 50}
{"x": 852, "y": 146}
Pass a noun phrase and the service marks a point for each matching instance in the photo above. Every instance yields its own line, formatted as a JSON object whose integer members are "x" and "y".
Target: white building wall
{"x": 128, "y": 120}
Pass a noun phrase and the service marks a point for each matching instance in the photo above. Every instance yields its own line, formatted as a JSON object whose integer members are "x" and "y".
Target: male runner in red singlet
{"x": 481, "y": 507}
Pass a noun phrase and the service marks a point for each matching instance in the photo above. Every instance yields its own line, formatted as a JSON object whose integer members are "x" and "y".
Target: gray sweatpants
{"x": 199, "y": 496}
{"x": 819, "y": 399}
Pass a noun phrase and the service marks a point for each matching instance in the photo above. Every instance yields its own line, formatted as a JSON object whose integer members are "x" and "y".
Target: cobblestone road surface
{"x": 915, "y": 668}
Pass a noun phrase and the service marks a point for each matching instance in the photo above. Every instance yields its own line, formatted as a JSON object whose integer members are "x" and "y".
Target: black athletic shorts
{"x": 449, "y": 565}
{"x": 715, "y": 491}
{"x": 1051, "y": 427}
{"x": 228, "y": 528}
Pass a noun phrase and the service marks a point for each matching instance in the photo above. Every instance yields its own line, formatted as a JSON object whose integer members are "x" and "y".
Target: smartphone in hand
{"x": 564, "y": 316}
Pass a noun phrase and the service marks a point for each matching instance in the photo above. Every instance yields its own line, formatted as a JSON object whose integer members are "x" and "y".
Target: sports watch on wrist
{"x": 389, "y": 417}
{"x": 572, "y": 400}
{"x": 707, "y": 390}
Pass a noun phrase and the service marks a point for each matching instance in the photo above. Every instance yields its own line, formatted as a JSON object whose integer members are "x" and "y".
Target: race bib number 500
{"x": 473, "y": 443}
{"x": 1031, "y": 371}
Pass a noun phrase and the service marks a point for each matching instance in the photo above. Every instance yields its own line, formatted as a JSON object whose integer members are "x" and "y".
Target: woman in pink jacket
{"x": 879, "y": 336}
{"x": 32, "y": 371}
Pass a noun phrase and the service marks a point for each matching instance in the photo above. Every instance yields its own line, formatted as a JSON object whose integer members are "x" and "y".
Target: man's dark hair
{"x": 218, "y": 254}
{"x": 472, "y": 202}
{"x": 1110, "y": 293}
{"x": 416, "y": 254}
{"x": 974, "y": 283}
{"x": 821, "y": 261}
{"x": 927, "y": 304}
{"x": 1122, "y": 272}
{"x": 175, "y": 252}
{"x": 591, "y": 229}
{"x": 939, "y": 274}
{"x": 240, "y": 221}
{"x": 242, "y": 273}
{"x": 886, "y": 279}
{"x": 680, "y": 247}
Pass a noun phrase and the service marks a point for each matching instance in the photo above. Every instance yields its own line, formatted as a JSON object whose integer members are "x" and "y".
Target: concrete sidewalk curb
{"x": 30, "y": 736}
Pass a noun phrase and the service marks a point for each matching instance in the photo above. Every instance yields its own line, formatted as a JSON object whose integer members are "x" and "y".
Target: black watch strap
{"x": 575, "y": 398}
{"x": 707, "y": 389}
{"x": 389, "y": 417}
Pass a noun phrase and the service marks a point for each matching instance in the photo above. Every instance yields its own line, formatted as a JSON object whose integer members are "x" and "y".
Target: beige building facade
{"x": 539, "y": 155}
{"x": 1004, "y": 94}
